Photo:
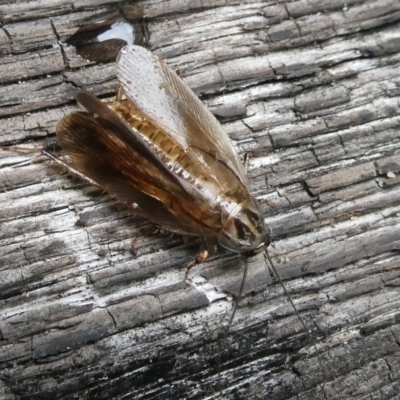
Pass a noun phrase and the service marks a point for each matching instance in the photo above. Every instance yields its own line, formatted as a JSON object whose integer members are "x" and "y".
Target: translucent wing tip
{"x": 130, "y": 49}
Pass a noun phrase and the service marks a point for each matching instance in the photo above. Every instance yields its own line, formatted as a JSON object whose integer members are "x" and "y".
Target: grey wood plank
{"x": 93, "y": 299}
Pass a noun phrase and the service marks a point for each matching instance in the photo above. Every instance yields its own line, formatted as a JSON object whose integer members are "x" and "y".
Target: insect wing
{"x": 163, "y": 98}
{"x": 109, "y": 152}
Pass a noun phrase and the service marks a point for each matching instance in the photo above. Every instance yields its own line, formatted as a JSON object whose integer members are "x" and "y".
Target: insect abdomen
{"x": 169, "y": 152}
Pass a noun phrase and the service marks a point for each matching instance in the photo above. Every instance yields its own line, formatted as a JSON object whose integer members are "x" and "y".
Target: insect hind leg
{"x": 69, "y": 168}
{"x": 57, "y": 160}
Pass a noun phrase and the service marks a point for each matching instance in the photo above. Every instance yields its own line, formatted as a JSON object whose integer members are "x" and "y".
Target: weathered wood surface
{"x": 93, "y": 301}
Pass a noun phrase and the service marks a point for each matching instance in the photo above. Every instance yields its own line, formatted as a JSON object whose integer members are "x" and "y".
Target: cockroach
{"x": 160, "y": 151}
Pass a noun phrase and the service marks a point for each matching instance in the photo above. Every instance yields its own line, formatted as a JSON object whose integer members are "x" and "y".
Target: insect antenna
{"x": 223, "y": 336}
{"x": 310, "y": 337}
{"x": 238, "y": 297}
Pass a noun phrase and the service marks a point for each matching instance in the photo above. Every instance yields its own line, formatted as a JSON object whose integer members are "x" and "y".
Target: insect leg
{"x": 57, "y": 160}
{"x": 69, "y": 168}
{"x": 208, "y": 250}
{"x": 246, "y": 160}
{"x": 19, "y": 149}
{"x": 201, "y": 257}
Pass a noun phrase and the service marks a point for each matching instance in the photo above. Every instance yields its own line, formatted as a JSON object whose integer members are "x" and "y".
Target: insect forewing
{"x": 169, "y": 103}
{"x": 112, "y": 154}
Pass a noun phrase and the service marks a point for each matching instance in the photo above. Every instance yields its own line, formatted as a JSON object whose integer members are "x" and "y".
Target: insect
{"x": 158, "y": 149}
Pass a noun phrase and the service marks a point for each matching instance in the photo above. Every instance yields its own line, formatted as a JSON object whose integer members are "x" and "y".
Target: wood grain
{"x": 93, "y": 299}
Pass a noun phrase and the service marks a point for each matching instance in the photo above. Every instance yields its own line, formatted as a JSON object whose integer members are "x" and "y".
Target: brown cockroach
{"x": 160, "y": 150}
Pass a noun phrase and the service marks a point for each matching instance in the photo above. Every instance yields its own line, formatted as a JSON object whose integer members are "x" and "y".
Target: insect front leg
{"x": 201, "y": 257}
{"x": 207, "y": 250}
